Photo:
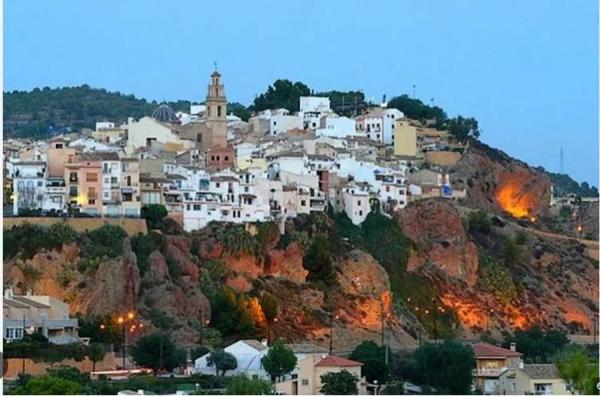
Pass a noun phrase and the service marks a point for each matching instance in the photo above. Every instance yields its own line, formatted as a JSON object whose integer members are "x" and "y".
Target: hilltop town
{"x": 349, "y": 236}
{"x": 208, "y": 165}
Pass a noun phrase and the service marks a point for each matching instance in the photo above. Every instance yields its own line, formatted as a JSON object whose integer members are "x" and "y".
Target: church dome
{"x": 164, "y": 113}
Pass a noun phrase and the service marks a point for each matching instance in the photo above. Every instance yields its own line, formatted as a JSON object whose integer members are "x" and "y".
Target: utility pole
{"x": 562, "y": 160}
{"x": 331, "y": 317}
{"x": 23, "y": 347}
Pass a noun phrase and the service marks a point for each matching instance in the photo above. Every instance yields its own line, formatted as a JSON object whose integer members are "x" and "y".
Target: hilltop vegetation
{"x": 42, "y": 112}
{"x": 565, "y": 185}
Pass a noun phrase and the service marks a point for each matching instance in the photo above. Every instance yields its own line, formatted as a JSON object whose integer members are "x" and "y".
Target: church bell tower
{"x": 216, "y": 111}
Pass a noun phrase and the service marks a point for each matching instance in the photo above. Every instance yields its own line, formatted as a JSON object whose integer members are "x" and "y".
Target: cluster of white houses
{"x": 208, "y": 166}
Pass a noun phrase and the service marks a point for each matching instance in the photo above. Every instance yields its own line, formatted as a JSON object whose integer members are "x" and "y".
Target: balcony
{"x": 50, "y": 323}
{"x": 489, "y": 372}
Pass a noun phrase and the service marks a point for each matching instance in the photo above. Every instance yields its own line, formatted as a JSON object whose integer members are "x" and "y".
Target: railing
{"x": 489, "y": 372}
{"x": 39, "y": 322}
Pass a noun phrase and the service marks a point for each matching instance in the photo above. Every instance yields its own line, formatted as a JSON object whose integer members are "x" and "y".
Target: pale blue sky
{"x": 527, "y": 70}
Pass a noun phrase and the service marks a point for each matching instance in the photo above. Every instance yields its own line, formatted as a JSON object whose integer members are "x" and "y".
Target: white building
{"x": 314, "y": 104}
{"x": 379, "y": 124}
{"x": 104, "y": 125}
{"x": 282, "y": 121}
{"x": 29, "y": 185}
{"x": 312, "y": 108}
{"x": 54, "y": 195}
{"x": 248, "y": 354}
{"x": 111, "y": 183}
{"x": 146, "y": 131}
{"x": 355, "y": 201}
{"x": 336, "y": 126}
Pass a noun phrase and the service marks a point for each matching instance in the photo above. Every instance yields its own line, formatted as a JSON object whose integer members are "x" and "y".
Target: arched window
{"x": 218, "y": 111}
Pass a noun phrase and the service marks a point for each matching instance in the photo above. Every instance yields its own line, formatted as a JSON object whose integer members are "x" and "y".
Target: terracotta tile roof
{"x": 485, "y": 350}
{"x": 337, "y": 361}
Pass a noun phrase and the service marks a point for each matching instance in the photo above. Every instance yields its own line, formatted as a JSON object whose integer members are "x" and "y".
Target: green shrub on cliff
{"x": 235, "y": 239}
{"x": 143, "y": 246}
{"x": 495, "y": 278}
{"x": 28, "y": 239}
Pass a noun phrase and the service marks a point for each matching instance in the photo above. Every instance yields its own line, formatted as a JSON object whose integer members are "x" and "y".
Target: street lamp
{"x": 121, "y": 321}
{"x": 269, "y": 330}
{"x": 331, "y": 317}
{"x": 202, "y": 323}
{"x": 489, "y": 318}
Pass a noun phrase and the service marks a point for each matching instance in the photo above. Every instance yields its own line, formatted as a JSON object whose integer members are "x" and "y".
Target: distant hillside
{"x": 42, "y": 112}
{"x": 564, "y": 185}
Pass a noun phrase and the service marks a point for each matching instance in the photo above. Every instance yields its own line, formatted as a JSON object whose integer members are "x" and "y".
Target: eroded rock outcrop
{"x": 436, "y": 228}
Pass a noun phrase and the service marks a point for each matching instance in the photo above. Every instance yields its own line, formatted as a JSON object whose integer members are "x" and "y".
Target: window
{"x": 226, "y": 158}
{"x": 196, "y": 207}
{"x": 114, "y": 180}
{"x": 40, "y": 183}
{"x": 358, "y": 202}
{"x": 303, "y": 203}
{"x": 59, "y": 145}
{"x": 73, "y": 191}
{"x": 73, "y": 177}
{"x": 188, "y": 206}
{"x": 360, "y": 212}
{"x": 304, "y": 381}
{"x": 91, "y": 202}
{"x": 105, "y": 194}
{"x": 218, "y": 185}
{"x": 218, "y": 111}
{"x": 127, "y": 197}
{"x": 91, "y": 177}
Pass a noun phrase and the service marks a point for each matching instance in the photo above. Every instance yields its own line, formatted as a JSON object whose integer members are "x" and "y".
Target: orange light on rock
{"x": 513, "y": 197}
{"x": 130, "y": 315}
{"x": 120, "y": 320}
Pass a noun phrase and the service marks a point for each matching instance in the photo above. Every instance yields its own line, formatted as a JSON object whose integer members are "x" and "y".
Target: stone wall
{"x": 14, "y": 366}
{"x": 442, "y": 158}
{"x": 81, "y": 224}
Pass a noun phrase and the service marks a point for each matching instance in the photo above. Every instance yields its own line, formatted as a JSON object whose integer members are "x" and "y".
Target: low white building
{"x": 282, "y": 122}
{"x": 248, "y": 354}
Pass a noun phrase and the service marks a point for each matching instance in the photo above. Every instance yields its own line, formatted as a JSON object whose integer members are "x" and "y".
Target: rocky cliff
{"x": 499, "y": 183}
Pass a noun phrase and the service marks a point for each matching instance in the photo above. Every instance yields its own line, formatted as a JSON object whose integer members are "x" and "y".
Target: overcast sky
{"x": 527, "y": 70}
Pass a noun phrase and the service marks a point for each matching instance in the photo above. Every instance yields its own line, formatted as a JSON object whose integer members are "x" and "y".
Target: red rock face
{"x": 436, "y": 228}
{"x": 498, "y": 183}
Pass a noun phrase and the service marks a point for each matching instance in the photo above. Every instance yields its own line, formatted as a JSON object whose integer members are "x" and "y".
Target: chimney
{"x": 513, "y": 346}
